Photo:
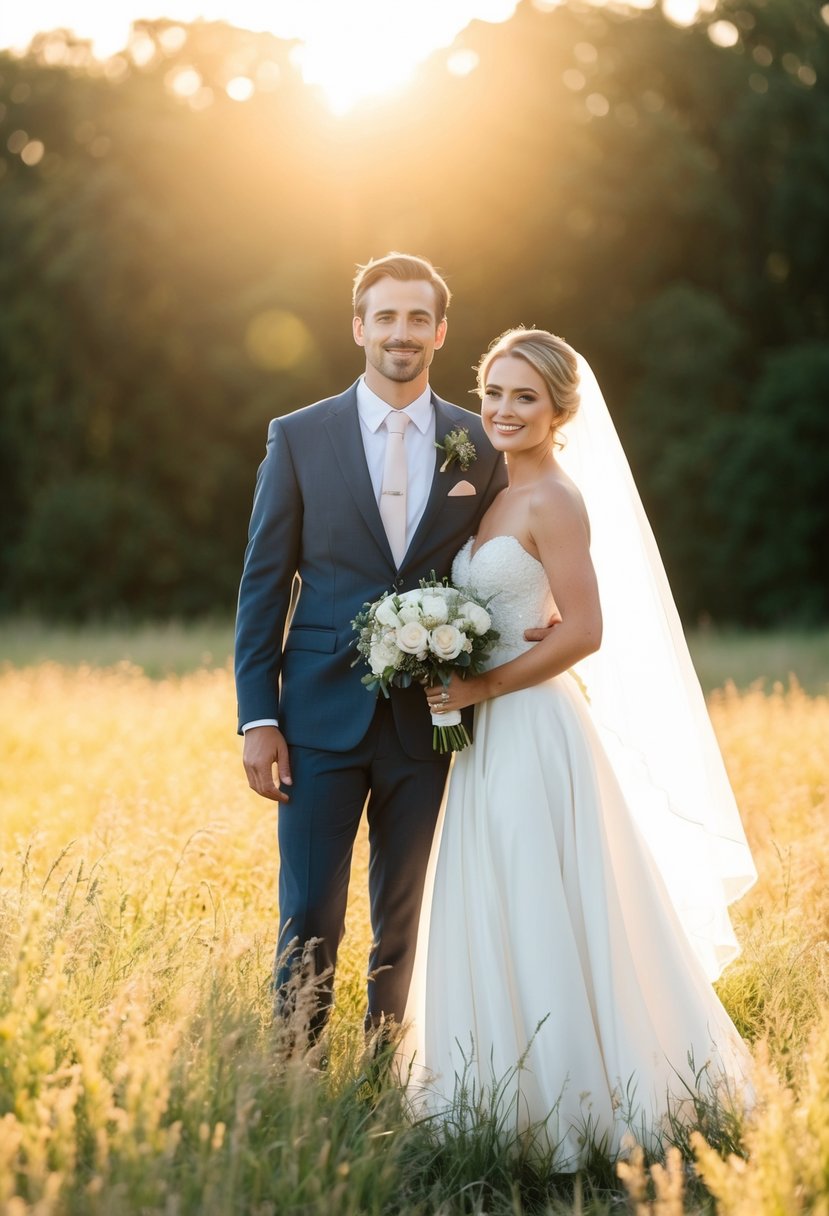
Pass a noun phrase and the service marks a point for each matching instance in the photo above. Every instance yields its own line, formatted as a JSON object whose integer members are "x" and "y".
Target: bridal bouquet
{"x": 423, "y": 636}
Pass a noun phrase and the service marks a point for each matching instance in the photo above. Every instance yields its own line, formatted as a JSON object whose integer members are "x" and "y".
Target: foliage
{"x": 175, "y": 270}
{"x": 786, "y": 555}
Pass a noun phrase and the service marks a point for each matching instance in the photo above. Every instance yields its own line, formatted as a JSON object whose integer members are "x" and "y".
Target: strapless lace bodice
{"x": 521, "y": 596}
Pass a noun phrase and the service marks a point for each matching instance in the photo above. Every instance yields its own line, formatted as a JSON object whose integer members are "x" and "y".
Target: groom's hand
{"x": 265, "y": 747}
{"x": 538, "y": 635}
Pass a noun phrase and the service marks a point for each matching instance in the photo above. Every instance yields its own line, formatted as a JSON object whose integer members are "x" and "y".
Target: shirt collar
{"x": 373, "y": 409}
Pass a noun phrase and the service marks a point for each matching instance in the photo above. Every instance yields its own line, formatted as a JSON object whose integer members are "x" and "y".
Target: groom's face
{"x": 400, "y": 330}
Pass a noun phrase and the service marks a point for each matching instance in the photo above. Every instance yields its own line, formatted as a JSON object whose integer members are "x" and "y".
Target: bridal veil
{"x": 646, "y": 700}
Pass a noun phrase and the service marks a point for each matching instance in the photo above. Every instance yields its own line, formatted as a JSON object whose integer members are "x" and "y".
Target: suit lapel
{"x": 343, "y": 427}
{"x": 445, "y": 419}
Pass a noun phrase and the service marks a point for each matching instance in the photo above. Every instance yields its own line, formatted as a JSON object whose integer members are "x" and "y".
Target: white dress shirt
{"x": 419, "y": 442}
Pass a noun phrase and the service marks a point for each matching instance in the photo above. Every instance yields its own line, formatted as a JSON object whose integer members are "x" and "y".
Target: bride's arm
{"x": 560, "y": 530}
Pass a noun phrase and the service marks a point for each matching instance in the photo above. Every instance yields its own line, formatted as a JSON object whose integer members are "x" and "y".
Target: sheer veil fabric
{"x": 646, "y": 700}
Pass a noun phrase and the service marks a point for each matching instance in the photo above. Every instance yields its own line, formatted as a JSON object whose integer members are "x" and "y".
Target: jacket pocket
{"x": 300, "y": 637}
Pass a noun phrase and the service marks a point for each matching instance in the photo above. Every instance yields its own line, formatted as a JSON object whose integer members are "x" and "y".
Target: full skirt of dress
{"x": 554, "y": 984}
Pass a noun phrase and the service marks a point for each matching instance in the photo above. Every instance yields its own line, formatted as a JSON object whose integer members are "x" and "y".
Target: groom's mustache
{"x": 402, "y": 346}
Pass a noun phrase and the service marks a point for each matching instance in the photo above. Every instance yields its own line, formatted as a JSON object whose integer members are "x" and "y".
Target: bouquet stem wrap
{"x": 449, "y": 733}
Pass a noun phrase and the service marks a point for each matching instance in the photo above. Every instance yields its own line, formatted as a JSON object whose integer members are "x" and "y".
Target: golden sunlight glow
{"x": 724, "y": 33}
{"x": 686, "y": 12}
{"x": 184, "y": 82}
{"x": 462, "y": 61}
{"x": 240, "y": 88}
{"x": 278, "y": 340}
{"x": 350, "y": 49}
{"x": 681, "y": 12}
{"x": 32, "y": 153}
{"x": 141, "y": 48}
{"x": 354, "y": 51}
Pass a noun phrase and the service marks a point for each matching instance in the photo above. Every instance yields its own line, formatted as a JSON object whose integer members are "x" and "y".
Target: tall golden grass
{"x": 139, "y": 1070}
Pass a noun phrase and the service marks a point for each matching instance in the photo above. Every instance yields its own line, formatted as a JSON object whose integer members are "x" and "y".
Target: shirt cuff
{"x": 259, "y": 722}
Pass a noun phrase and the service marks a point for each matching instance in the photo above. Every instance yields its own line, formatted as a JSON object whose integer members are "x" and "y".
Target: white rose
{"x": 435, "y": 610}
{"x": 412, "y": 638}
{"x": 409, "y": 611}
{"x": 386, "y": 613}
{"x": 446, "y": 642}
{"x": 479, "y": 619}
{"x": 383, "y": 654}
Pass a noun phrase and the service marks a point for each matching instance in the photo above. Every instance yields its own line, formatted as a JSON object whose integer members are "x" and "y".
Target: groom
{"x": 350, "y": 502}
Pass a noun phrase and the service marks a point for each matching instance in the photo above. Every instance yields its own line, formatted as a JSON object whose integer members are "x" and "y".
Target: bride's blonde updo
{"x": 550, "y": 356}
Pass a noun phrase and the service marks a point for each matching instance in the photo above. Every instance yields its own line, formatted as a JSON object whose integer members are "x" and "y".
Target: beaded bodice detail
{"x": 521, "y": 596}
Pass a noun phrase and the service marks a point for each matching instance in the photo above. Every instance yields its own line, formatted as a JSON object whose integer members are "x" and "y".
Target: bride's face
{"x": 516, "y": 410}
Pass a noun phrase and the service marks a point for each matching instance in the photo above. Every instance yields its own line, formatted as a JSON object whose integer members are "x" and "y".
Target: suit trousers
{"x": 317, "y": 829}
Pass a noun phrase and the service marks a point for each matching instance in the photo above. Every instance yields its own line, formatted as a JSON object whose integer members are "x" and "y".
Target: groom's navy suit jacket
{"x": 315, "y": 515}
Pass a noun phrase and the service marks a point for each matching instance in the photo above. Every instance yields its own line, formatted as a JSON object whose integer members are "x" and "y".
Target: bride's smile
{"x": 516, "y": 410}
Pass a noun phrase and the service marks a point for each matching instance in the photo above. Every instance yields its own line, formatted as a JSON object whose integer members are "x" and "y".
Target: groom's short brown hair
{"x": 406, "y": 268}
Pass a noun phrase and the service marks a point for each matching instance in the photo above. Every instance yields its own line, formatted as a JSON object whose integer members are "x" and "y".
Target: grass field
{"x": 139, "y": 1069}
{"x": 174, "y": 648}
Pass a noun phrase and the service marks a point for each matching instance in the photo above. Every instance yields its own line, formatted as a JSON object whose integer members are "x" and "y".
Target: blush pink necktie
{"x": 395, "y": 484}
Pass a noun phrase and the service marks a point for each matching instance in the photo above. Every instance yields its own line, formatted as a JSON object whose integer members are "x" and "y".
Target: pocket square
{"x": 463, "y": 487}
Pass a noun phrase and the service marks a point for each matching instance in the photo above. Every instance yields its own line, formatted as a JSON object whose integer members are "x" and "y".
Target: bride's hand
{"x": 457, "y": 694}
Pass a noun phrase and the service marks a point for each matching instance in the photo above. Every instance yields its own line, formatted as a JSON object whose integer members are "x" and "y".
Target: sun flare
{"x": 353, "y": 52}
{"x": 350, "y": 50}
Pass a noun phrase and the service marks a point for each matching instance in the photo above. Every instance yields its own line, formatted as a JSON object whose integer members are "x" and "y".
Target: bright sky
{"x": 351, "y": 48}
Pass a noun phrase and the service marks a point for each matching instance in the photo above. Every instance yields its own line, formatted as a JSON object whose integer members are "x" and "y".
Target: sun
{"x": 355, "y": 51}
{"x": 346, "y": 78}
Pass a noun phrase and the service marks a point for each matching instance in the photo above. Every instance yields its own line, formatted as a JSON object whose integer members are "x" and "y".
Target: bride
{"x": 589, "y": 843}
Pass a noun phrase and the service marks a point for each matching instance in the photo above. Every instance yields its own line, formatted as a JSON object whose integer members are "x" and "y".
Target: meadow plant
{"x": 141, "y": 1070}
{"x": 785, "y": 1170}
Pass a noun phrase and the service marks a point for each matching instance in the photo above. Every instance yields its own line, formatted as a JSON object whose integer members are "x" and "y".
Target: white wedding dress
{"x": 552, "y": 970}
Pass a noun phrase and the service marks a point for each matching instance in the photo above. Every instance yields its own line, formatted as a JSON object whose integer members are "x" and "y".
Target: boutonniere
{"x": 457, "y": 446}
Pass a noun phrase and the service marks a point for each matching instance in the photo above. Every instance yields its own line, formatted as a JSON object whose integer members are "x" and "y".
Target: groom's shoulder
{"x": 311, "y": 416}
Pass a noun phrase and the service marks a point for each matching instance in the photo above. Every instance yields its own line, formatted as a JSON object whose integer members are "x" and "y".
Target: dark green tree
{"x": 175, "y": 270}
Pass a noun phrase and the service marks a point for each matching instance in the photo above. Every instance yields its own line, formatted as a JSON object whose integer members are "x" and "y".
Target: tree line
{"x": 175, "y": 270}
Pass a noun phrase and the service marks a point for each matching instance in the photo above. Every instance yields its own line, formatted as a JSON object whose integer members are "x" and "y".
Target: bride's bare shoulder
{"x": 556, "y": 502}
